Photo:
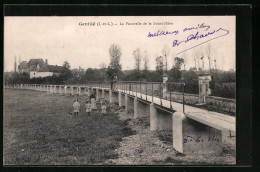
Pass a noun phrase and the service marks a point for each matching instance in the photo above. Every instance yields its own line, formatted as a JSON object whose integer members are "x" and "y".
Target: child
{"x": 76, "y": 106}
{"x": 102, "y": 100}
{"x": 104, "y": 108}
{"x": 88, "y": 107}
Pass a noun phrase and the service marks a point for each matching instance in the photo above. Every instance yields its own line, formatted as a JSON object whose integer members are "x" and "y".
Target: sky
{"x": 60, "y": 39}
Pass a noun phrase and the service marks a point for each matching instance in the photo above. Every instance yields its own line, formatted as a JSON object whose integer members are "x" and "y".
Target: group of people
{"x": 91, "y": 104}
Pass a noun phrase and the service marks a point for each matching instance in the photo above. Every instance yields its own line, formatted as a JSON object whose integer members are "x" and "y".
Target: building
{"x": 48, "y": 70}
{"x": 38, "y": 68}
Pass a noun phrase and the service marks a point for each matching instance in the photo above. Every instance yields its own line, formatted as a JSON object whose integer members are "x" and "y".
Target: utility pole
{"x": 202, "y": 58}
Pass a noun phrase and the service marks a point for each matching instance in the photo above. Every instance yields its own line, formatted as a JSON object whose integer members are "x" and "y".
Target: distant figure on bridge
{"x": 113, "y": 83}
{"x": 76, "y": 106}
{"x": 93, "y": 101}
{"x": 88, "y": 107}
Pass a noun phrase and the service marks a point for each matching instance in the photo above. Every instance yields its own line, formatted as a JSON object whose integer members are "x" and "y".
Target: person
{"x": 101, "y": 101}
{"x": 88, "y": 107}
{"x": 76, "y": 106}
{"x": 103, "y": 108}
{"x": 93, "y": 101}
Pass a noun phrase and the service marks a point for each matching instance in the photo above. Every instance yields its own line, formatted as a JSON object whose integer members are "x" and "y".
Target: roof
{"x": 35, "y": 61}
{"x": 51, "y": 68}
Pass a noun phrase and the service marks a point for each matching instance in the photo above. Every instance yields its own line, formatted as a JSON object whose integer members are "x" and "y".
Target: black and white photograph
{"x": 119, "y": 90}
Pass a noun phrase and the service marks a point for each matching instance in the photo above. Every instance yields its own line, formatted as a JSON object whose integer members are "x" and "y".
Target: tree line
{"x": 113, "y": 72}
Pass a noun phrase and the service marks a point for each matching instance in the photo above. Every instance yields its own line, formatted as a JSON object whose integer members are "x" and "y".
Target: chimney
{"x": 46, "y": 61}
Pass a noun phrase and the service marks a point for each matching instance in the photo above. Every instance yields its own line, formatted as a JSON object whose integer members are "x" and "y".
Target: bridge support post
{"x": 119, "y": 98}
{"x": 110, "y": 96}
{"x": 135, "y": 107}
{"x": 159, "y": 119}
{"x": 89, "y": 91}
{"x": 60, "y": 90}
{"x": 79, "y": 91}
{"x": 55, "y": 89}
{"x": 153, "y": 117}
{"x": 103, "y": 93}
{"x": 65, "y": 90}
{"x": 141, "y": 109}
{"x": 71, "y": 90}
{"x": 126, "y": 103}
{"x": 51, "y": 89}
{"x": 85, "y": 90}
{"x": 97, "y": 93}
{"x": 191, "y": 136}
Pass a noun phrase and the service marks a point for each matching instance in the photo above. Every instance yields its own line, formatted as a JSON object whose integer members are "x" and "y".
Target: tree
{"x": 66, "y": 73}
{"x": 103, "y": 67}
{"x": 114, "y": 67}
{"x": 175, "y": 72}
{"x": 146, "y": 60}
{"x": 138, "y": 58}
{"x": 178, "y": 62}
{"x": 78, "y": 72}
{"x": 159, "y": 65}
{"x": 66, "y": 65}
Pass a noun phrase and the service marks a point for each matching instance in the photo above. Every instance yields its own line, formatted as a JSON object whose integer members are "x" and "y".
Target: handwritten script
{"x": 200, "y": 140}
{"x": 202, "y": 33}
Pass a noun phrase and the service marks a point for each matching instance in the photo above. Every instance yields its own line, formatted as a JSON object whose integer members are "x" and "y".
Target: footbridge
{"x": 193, "y": 129}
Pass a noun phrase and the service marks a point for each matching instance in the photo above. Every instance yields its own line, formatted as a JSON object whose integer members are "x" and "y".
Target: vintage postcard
{"x": 119, "y": 90}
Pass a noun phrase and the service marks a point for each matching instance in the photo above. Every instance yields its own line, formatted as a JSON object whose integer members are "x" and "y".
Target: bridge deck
{"x": 210, "y": 118}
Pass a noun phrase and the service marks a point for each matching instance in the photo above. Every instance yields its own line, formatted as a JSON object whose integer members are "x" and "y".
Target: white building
{"x": 36, "y": 74}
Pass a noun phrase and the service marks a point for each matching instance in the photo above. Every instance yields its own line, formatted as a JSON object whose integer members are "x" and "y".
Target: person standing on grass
{"x": 76, "y": 106}
{"x": 93, "y": 101}
{"x": 104, "y": 108}
{"x": 88, "y": 107}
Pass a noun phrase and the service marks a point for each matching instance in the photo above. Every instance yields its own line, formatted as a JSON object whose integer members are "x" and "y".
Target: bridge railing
{"x": 163, "y": 91}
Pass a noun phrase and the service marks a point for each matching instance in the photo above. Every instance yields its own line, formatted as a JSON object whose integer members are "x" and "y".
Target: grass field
{"x": 38, "y": 131}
